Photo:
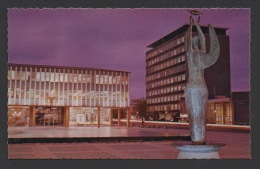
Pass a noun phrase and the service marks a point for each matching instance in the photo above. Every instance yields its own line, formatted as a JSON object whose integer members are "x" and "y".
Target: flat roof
{"x": 63, "y": 67}
{"x": 181, "y": 30}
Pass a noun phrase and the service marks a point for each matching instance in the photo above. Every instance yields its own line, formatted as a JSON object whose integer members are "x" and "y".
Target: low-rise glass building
{"x": 67, "y": 96}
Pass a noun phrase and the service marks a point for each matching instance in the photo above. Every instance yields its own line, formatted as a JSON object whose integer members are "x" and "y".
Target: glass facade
{"x": 219, "y": 113}
{"x": 49, "y": 116}
{"x": 87, "y": 116}
{"x": 50, "y": 86}
{"x": 18, "y": 115}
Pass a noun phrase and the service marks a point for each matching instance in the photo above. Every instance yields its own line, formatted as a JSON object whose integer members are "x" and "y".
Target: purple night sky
{"x": 116, "y": 38}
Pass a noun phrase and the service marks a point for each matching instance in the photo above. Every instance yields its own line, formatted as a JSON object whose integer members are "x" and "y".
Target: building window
{"x": 182, "y": 49}
{"x": 183, "y": 58}
{"x": 182, "y": 39}
{"x": 178, "y": 41}
{"x": 179, "y": 59}
{"x": 183, "y": 77}
{"x": 18, "y": 116}
{"x": 175, "y": 52}
{"x": 228, "y": 113}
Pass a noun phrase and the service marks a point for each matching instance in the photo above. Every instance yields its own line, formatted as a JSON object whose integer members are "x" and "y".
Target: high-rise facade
{"x": 166, "y": 71}
{"x": 67, "y": 96}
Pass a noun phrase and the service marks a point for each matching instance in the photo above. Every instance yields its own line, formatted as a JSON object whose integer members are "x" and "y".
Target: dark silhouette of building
{"x": 240, "y": 102}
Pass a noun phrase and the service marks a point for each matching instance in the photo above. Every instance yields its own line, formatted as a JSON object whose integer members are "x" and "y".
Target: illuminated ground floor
{"x": 219, "y": 111}
{"x": 64, "y": 116}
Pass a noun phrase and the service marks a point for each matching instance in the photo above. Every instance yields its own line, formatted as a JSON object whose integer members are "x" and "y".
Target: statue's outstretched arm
{"x": 188, "y": 43}
{"x": 213, "y": 54}
{"x": 188, "y": 38}
{"x": 202, "y": 39}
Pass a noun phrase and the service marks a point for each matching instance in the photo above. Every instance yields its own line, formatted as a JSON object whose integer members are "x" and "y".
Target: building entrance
{"x": 88, "y": 116}
{"x": 49, "y": 116}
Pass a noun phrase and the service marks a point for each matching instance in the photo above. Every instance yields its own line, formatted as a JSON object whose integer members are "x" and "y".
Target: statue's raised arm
{"x": 202, "y": 40}
{"x": 188, "y": 43}
{"x": 213, "y": 54}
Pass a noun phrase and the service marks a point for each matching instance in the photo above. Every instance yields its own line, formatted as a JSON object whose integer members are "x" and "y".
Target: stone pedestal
{"x": 190, "y": 151}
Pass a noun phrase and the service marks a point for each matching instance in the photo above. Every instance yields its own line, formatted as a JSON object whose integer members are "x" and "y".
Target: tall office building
{"x": 166, "y": 71}
{"x": 67, "y": 96}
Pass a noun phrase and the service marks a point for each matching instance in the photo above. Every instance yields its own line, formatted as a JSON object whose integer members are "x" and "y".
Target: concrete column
{"x": 66, "y": 117}
{"x": 98, "y": 117}
{"x": 128, "y": 117}
{"x": 32, "y": 116}
{"x": 118, "y": 116}
{"x": 111, "y": 117}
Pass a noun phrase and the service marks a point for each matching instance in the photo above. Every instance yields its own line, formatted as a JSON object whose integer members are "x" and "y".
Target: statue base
{"x": 192, "y": 151}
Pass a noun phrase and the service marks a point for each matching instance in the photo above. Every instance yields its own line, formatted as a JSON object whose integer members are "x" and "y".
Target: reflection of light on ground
{"x": 166, "y": 134}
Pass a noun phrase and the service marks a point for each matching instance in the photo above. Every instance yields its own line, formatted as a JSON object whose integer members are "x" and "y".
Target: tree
{"x": 141, "y": 108}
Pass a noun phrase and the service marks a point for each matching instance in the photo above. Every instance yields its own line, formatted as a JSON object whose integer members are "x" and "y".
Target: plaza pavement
{"x": 237, "y": 143}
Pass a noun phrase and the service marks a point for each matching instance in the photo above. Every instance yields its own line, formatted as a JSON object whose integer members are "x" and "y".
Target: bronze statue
{"x": 196, "y": 93}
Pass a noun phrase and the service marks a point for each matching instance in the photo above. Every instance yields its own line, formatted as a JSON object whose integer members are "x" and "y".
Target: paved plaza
{"x": 237, "y": 143}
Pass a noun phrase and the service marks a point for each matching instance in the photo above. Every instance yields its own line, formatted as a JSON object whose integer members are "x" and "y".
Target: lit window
{"x": 183, "y": 77}
{"x": 178, "y": 41}
{"x": 179, "y": 87}
{"x": 183, "y": 87}
{"x": 175, "y": 61}
{"x": 179, "y": 59}
{"x": 182, "y": 39}
{"x": 172, "y": 80}
{"x": 168, "y": 81}
{"x": 183, "y": 58}
{"x": 179, "y": 78}
{"x": 175, "y": 79}
{"x": 168, "y": 90}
